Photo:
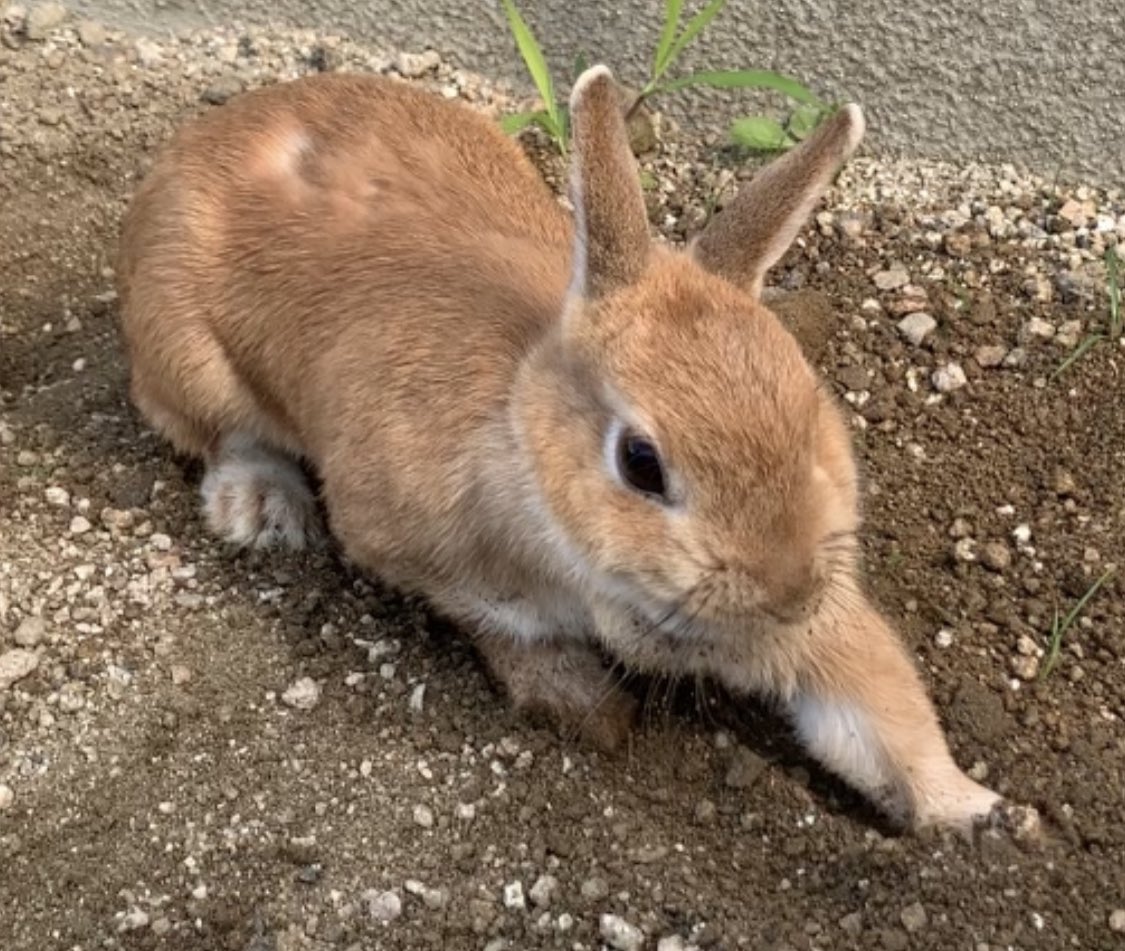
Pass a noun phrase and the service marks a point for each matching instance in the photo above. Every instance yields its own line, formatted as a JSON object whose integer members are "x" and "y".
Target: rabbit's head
{"x": 684, "y": 449}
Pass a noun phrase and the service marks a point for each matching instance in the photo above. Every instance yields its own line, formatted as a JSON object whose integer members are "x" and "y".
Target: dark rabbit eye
{"x": 639, "y": 464}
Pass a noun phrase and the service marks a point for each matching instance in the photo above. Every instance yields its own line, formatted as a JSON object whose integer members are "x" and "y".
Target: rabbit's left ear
{"x": 611, "y": 224}
{"x": 751, "y": 234}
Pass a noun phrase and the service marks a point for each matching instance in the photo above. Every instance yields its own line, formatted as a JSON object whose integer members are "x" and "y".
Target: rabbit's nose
{"x": 791, "y": 589}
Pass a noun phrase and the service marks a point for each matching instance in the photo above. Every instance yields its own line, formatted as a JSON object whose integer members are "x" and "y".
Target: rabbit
{"x": 572, "y": 440}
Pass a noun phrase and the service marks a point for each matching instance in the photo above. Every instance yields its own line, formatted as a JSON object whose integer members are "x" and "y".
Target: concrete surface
{"x": 1034, "y": 82}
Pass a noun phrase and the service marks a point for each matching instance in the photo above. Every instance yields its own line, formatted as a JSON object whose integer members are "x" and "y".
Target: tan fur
{"x": 349, "y": 270}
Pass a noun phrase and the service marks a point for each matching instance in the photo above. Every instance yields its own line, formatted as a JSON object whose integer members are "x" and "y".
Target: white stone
{"x": 917, "y": 327}
{"x": 382, "y": 906}
{"x": 423, "y": 816}
{"x": 7, "y": 797}
{"x": 619, "y": 934}
{"x": 15, "y": 665}
{"x": 948, "y": 378}
{"x": 513, "y": 896}
{"x": 57, "y": 495}
{"x": 302, "y": 694}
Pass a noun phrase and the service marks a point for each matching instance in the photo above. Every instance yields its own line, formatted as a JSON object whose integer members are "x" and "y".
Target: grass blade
{"x": 1088, "y": 344}
{"x": 521, "y": 120}
{"x": 694, "y": 26}
{"x": 660, "y": 61}
{"x": 760, "y": 133}
{"x": 1113, "y": 277}
{"x": 746, "y": 79}
{"x": 533, "y": 57}
{"x": 1059, "y": 628}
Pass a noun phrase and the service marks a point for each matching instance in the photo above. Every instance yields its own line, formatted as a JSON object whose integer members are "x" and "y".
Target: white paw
{"x": 958, "y": 803}
{"x": 254, "y": 497}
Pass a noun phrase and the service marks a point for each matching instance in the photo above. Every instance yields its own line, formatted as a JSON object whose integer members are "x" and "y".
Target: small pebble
{"x": 996, "y": 556}
{"x": 990, "y": 356}
{"x": 80, "y": 525}
{"x": 57, "y": 495}
{"x": 705, "y": 811}
{"x": 744, "y": 770}
{"x": 1117, "y": 920}
{"x": 917, "y": 327}
{"x": 416, "y": 65}
{"x": 92, "y": 33}
{"x": 433, "y": 898}
{"x": 619, "y": 934}
{"x": 1036, "y": 327}
{"x": 302, "y": 694}
{"x": 914, "y": 918}
{"x": 594, "y": 889}
{"x": 7, "y": 797}
{"x": 423, "y": 816}
{"x": 543, "y": 891}
{"x": 30, "y": 632}
{"x": 382, "y": 906}
{"x": 15, "y": 665}
{"x": 513, "y": 896}
{"x": 891, "y": 279}
{"x": 948, "y": 378}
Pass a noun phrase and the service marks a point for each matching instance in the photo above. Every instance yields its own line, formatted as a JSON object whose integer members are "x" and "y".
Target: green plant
{"x": 1060, "y": 625}
{"x": 760, "y": 133}
{"x": 1116, "y": 322}
{"x": 552, "y": 118}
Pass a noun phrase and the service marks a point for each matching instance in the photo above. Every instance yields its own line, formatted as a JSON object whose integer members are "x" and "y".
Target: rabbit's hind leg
{"x": 257, "y": 496}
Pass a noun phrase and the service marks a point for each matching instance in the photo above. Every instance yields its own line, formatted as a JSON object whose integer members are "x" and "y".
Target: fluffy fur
{"x": 348, "y": 270}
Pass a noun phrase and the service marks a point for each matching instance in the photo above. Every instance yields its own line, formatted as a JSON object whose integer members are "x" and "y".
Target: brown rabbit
{"x": 566, "y": 437}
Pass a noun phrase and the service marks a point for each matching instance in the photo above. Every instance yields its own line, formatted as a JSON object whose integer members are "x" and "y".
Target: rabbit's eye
{"x": 639, "y": 464}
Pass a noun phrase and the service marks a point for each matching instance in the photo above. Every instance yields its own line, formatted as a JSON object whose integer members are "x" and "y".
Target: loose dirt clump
{"x": 207, "y": 749}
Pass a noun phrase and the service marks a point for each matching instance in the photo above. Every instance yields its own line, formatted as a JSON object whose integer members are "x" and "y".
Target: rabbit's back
{"x": 336, "y": 225}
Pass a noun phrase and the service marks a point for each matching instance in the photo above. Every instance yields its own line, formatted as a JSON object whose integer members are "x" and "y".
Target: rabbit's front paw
{"x": 255, "y": 496}
{"x": 565, "y": 682}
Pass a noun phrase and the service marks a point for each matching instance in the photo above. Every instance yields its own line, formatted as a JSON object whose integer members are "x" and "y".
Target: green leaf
{"x": 745, "y": 79}
{"x": 532, "y": 56}
{"x": 694, "y": 26}
{"x": 521, "y": 120}
{"x": 760, "y": 133}
{"x": 672, "y": 10}
{"x": 804, "y": 119}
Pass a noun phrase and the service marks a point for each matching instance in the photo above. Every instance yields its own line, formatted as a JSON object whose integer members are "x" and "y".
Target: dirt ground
{"x": 169, "y": 779}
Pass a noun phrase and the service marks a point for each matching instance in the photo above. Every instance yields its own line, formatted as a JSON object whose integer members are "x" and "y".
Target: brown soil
{"x": 177, "y": 803}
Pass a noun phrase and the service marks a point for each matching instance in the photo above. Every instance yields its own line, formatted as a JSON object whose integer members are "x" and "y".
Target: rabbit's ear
{"x": 749, "y": 236}
{"x": 611, "y": 224}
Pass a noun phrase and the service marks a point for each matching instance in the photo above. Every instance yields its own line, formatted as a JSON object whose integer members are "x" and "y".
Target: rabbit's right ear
{"x": 749, "y": 236}
{"x": 611, "y": 225}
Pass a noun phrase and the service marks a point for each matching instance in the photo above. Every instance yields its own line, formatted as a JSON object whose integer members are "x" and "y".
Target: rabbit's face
{"x": 694, "y": 463}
